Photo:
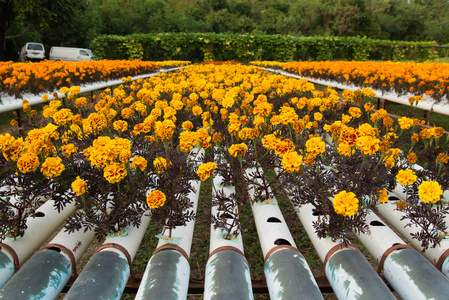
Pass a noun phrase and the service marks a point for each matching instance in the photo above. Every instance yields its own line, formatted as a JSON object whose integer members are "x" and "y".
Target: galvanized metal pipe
{"x": 286, "y": 270}
{"x": 107, "y": 272}
{"x": 227, "y": 270}
{"x": 349, "y": 273}
{"x": 167, "y": 273}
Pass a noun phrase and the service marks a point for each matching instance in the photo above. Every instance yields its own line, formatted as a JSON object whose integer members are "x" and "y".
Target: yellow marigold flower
{"x": 345, "y": 203}
{"x": 125, "y": 156}
{"x": 406, "y": 177}
{"x": 69, "y": 150}
{"x": 309, "y": 160}
{"x": 355, "y": 112}
{"x": 44, "y": 98}
{"x": 81, "y": 102}
{"x": 79, "y": 186}
{"x": 156, "y": 199}
{"x": 55, "y": 104}
{"x": 139, "y": 162}
{"x": 443, "y": 157}
{"x": 315, "y": 146}
{"x": 368, "y": 145}
{"x": 283, "y": 147}
{"x": 291, "y": 162}
{"x": 28, "y": 162}
{"x": 5, "y": 141}
{"x": 430, "y": 191}
{"x": 369, "y": 106}
{"x": 187, "y": 140}
{"x": 13, "y": 123}
{"x": 270, "y": 141}
{"x": 64, "y": 90}
{"x": 187, "y": 125}
{"x": 115, "y": 172}
{"x": 196, "y": 110}
{"x": 52, "y": 167}
{"x": 206, "y": 170}
{"x": 26, "y": 108}
{"x": 238, "y": 149}
{"x": 382, "y": 195}
{"x": 127, "y": 113}
{"x": 74, "y": 90}
{"x": 318, "y": 116}
{"x": 344, "y": 149}
{"x": 164, "y": 130}
{"x": 120, "y": 125}
{"x": 412, "y": 157}
{"x": 160, "y": 164}
{"x": 63, "y": 117}
{"x": 406, "y": 123}
{"x": 345, "y": 119}
{"x": 415, "y": 138}
{"x": 33, "y": 113}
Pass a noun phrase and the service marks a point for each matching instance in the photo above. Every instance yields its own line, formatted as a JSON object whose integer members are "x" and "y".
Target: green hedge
{"x": 198, "y": 47}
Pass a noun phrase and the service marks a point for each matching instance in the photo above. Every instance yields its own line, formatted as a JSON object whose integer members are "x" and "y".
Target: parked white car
{"x": 32, "y": 52}
{"x": 70, "y": 54}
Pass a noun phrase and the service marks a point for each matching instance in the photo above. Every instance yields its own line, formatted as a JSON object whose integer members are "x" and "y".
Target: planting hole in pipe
{"x": 39, "y": 214}
{"x": 228, "y": 216}
{"x": 273, "y": 220}
{"x": 376, "y": 223}
{"x": 55, "y": 249}
{"x": 282, "y": 242}
{"x": 393, "y": 198}
{"x": 318, "y": 213}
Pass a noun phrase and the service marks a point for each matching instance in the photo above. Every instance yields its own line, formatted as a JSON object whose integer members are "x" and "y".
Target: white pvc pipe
{"x": 38, "y": 230}
{"x": 216, "y": 239}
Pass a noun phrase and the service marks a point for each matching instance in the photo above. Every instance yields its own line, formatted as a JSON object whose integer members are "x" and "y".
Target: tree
{"x": 35, "y": 15}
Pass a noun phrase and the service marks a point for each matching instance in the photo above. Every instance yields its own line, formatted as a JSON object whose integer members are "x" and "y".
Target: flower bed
{"x": 132, "y": 148}
{"x": 19, "y": 78}
{"x": 430, "y": 79}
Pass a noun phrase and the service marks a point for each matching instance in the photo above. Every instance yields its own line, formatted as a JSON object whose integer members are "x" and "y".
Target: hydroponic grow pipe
{"x": 410, "y": 274}
{"x": 47, "y": 219}
{"x": 46, "y": 273}
{"x": 11, "y": 103}
{"x": 226, "y": 266}
{"x": 107, "y": 271}
{"x": 286, "y": 270}
{"x": 439, "y": 255}
{"x": 167, "y": 273}
{"x": 349, "y": 273}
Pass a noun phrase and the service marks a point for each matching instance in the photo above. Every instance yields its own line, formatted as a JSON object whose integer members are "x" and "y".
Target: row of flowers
{"x": 419, "y": 79}
{"x": 109, "y": 152}
{"x": 19, "y": 78}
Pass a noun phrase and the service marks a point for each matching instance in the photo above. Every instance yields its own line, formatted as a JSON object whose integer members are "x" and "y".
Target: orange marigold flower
{"x": 79, "y": 186}
{"x": 52, "y": 167}
{"x": 187, "y": 125}
{"x": 443, "y": 157}
{"x": 156, "y": 199}
{"x": 13, "y": 123}
{"x": 430, "y": 191}
{"x": 412, "y": 157}
{"x": 238, "y": 149}
{"x": 415, "y": 138}
{"x": 283, "y": 147}
{"x": 382, "y": 195}
{"x": 406, "y": 123}
{"x": 406, "y": 177}
{"x": 206, "y": 170}
{"x": 291, "y": 162}
{"x": 355, "y": 112}
{"x": 345, "y": 203}
{"x": 28, "y": 162}
{"x": 115, "y": 172}
{"x": 368, "y": 145}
